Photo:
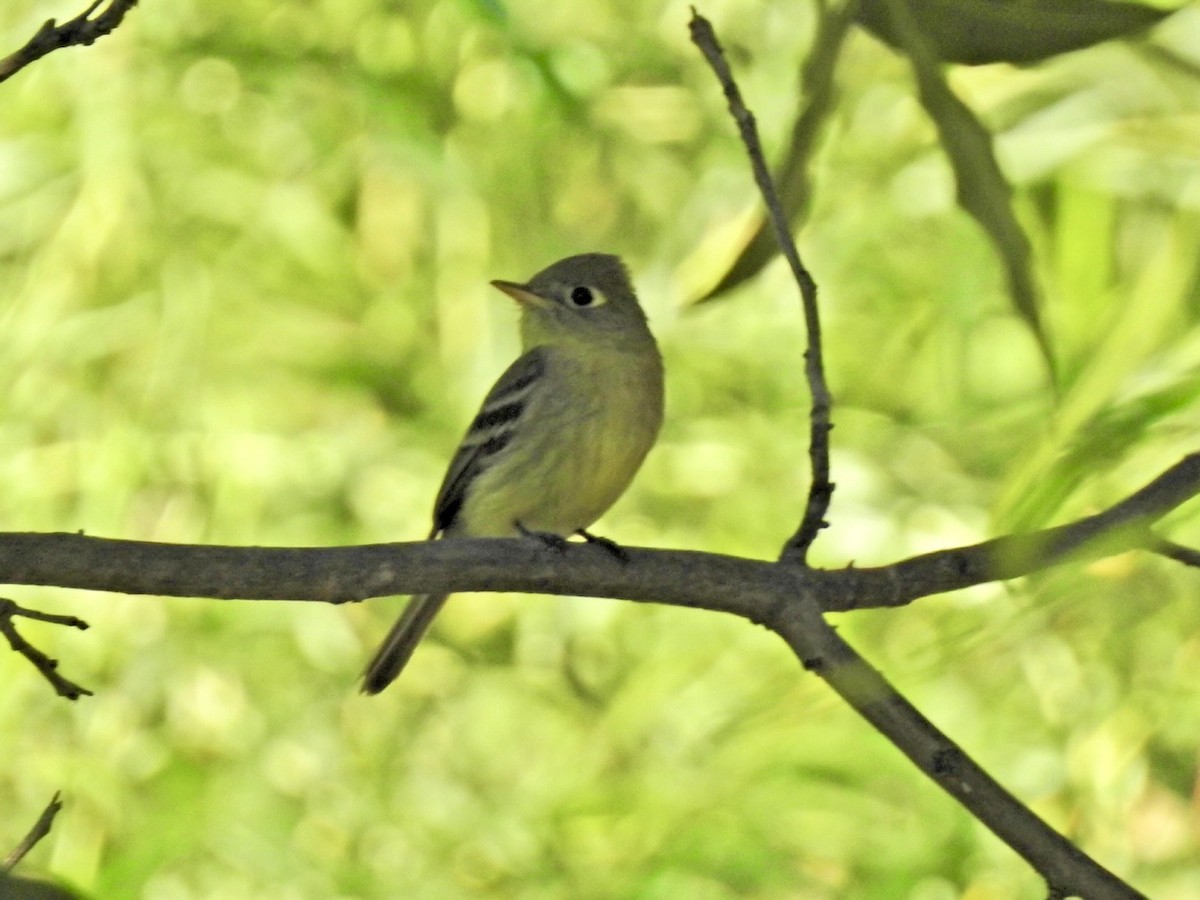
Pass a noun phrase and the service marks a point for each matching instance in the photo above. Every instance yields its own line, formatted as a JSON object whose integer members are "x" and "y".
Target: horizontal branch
{"x": 347, "y": 574}
{"x": 744, "y": 587}
{"x": 788, "y": 599}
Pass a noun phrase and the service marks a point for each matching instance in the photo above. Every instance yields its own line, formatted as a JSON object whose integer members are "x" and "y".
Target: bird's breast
{"x": 577, "y": 446}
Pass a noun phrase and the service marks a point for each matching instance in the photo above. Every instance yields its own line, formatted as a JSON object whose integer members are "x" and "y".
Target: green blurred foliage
{"x": 14, "y": 887}
{"x": 244, "y": 256}
{"x": 1015, "y": 31}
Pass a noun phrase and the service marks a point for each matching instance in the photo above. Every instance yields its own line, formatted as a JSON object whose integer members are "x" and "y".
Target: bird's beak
{"x": 521, "y": 293}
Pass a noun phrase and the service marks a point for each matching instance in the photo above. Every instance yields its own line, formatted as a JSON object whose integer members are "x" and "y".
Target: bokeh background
{"x": 244, "y": 253}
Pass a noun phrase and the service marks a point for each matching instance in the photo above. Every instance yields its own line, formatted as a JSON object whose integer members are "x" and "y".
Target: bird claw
{"x": 547, "y": 539}
{"x": 559, "y": 544}
{"x": 615, "y": 549}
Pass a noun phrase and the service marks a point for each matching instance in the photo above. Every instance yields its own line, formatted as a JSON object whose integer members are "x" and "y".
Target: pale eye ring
{"x": 582, "y": 297}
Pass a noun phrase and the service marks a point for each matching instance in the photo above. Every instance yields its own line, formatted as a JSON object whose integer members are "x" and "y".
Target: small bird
{"x": 559, "y": 436}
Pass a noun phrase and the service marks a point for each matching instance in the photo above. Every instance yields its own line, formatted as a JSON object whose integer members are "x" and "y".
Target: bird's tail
{"x": 402, "y": 640}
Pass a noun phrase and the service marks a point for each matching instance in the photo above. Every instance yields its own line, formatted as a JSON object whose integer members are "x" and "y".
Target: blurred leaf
{"x": 983, "y": 190}
{"x": 13, "y": 887}
{"x": 975, "y": 32}
{"x": 492, "y": 9}
{"x": 1114, "y": 433}
{"x": 791, "y": 180}
{"x": 1087, "y": 432}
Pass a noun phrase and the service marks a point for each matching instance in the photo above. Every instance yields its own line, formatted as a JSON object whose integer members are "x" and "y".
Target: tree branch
{"x": 820, "y": 489}
{"x": 1172, "y": 550}
{"x": 788, "y": 599}
{"x": 817, "y": 92}
{"x": 1124, "y": 526}
{"x": 744, "y": 587}
{"x": 40, "y": 829}
{"x": 1068, "y": 871}
{"x": 81, "y": 30}
{"x": 43, "y": 663}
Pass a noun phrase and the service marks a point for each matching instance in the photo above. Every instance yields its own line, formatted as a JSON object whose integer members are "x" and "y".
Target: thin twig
{"x": 793, "y": 178}
{"x": 43, "y": 663}
{"x": 1172, "y": 550}
{"x": 82, "y": 30}
{"x": 821, "y": 489}
{"x": 40, "y": 829}
{"x": 1123, "y": 526}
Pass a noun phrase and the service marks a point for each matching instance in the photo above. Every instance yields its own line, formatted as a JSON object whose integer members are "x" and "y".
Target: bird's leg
{"x": 547, "y": 539}
{"x": 611, "y": 546}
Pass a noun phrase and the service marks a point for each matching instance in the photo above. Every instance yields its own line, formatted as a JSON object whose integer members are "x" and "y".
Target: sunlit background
{"x": 244, "y": 254}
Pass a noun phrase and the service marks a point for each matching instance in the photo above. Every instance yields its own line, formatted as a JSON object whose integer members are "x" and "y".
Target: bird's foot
{"x": 617, "y": 551}
{"x": 547, "y": 539}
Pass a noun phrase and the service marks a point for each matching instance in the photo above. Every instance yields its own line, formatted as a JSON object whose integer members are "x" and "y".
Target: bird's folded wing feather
{"x": 490, "y": 432}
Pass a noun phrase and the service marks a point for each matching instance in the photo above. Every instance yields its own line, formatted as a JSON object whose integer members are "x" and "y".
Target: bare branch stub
{"x": 9, "y": 610}
{"x": 82, "y": 30}
{"x": 40, "y": 829}
{"x": 821, "y": 488}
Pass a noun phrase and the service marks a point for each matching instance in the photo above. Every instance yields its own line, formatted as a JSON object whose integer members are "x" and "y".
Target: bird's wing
{"x": 490, "y": 432}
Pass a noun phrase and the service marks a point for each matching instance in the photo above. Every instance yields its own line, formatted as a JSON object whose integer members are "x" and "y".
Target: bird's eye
{"x": 582, "y": 297}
